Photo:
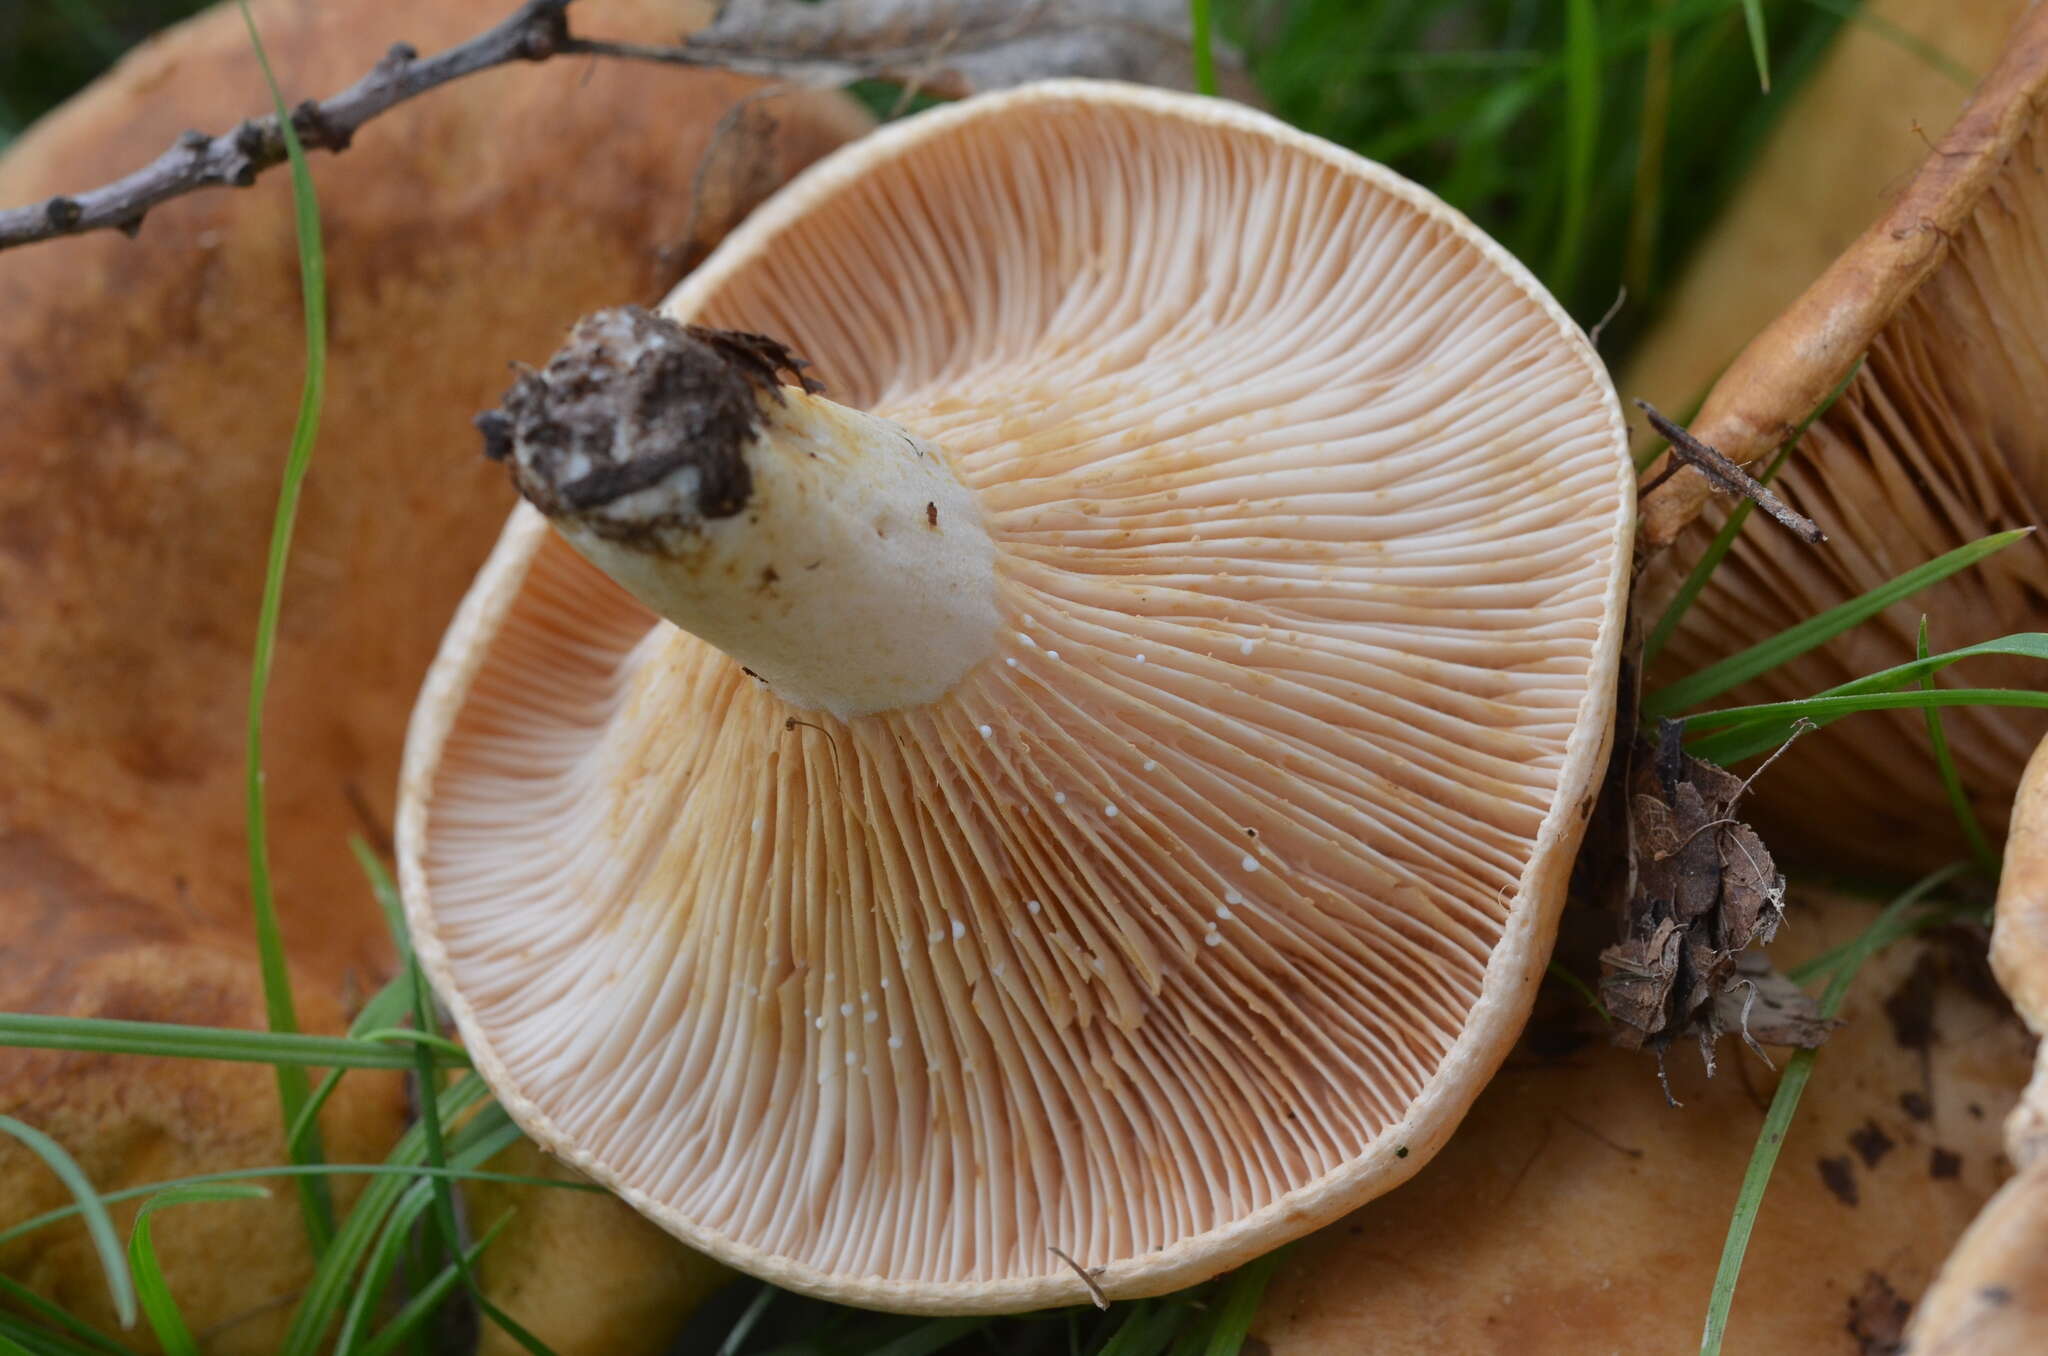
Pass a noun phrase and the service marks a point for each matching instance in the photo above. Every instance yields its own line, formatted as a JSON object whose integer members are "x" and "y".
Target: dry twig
{"x": 945, "y": 47}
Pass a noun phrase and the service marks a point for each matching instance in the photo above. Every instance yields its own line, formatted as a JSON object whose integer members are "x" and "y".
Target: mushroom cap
{"x": 1992, "y": 1296}
{"x": 1577, "y": 1210}
{"x": 1849, "y": 138}
{"x": 150, "y": 387}
{"x": 1937, "y": 441}
{"x": 1199, "y": 912}
{"x": 150, "y": 394}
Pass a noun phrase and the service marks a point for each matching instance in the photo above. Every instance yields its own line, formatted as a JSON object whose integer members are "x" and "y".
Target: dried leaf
{"x": 954, "y": 48}
{"x": 1704, "y": 890}
{"x": 1763, "y": 1007}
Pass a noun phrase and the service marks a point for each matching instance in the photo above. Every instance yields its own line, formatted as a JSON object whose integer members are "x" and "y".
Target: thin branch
{"x": 961, "y": 47}
{"x": 1726, "y": 476}
{"x": 536, "y": 31}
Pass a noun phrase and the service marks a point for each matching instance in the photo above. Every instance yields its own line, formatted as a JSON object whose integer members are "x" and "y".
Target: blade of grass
{"x": 1205, "y": 54}
{"x": 1581, "y": 988}
{"x": 385, "y": 891}
{"x": 1735, "y": 745}
{"x": 1759, "y": 43}
{"x": 99, "y": 1226}
{"x": 431, "y": 1296}
{"x": 382, "y": 1262}
{"x": 405, "y": 1035}
{"x": 385, "y": 1008}
{"x": 1239, "y": 1305}
{"x": 392, "y": 1170}
{"x": 1581, "y": 134}
{"x": 1951, "y": 779}
{"x": 1147, "y": 1327}
{"x": 1793, "y": 641}
{"x": 1771, "y": 1139}
{"x": 293, "y": 1089}
{"x": 31, "y": 1030}
{"x": 56, "y": 1316}
{"x": 326, "y": 1293}
{"x": 1703, "y": 569}
{"x": 2021, "y": 645}
{"x": 436, "y": 1154}
{"x": 930, "y": 1337}
{"x": 11, "y": 1347}
{"x": 743, "y": 1326}
{"x": 154, "y": 1294}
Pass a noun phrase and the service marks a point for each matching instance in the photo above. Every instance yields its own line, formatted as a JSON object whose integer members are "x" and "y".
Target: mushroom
{"x": 1991, "y": 1298}
{"x": 1849, "y": 138}
{"x": 149, "y": 390}
{"x": 1576, "y": 1210}
{"x": 1937, "y": 441}
{"x": 1161, "y": 691}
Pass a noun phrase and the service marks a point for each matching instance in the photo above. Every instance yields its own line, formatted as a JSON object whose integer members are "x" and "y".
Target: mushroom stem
{"x": 831, "y": 553}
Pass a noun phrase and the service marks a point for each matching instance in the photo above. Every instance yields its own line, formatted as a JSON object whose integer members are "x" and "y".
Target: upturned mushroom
{"x": 1936, "y": 442}
{"x": 1991, "y": 1298}
{"x": 1085, "y": 797}
{"x": 149, "y": 391}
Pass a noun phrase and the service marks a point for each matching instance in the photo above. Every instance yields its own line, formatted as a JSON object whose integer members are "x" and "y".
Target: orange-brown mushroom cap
{"x": 1198, "y": 911}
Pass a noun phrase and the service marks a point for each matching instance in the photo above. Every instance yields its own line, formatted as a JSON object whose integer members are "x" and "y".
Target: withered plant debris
{"x": 949, "y": 48}
{"x": 1877, "y": 1318}
{"x": 953, "y": 48}
{"x": 1725, "y": 476}
{"x": 1703, "y": 890}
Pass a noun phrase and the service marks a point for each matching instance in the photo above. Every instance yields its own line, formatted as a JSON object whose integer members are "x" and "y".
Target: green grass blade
{"x": 1148, "y": 1327}
{"x": 1733, "y": 746}
{"x": 1793, "y": 641}
{"x": 931, "y": 1337}
{"x": 1951, "y": 778}
{"x": 99, "y": 1226}
{"x": 407, "y": 1171}
{"x": 437, "y": 1156}
{"x": 386, "y": 1007}
{"x": 327, "y": 1293}
{"x": 1239, "y": 1305}
{"x": 1205, "y": 55}
{"x": 380, "y": 1266}
{"x": 1759, "y": 42}
{"x": 18, "y": 1334}
{"x": 431, "y": 1296}
{"x": 385, "y": 891}
{"x": 87, "y": 1337}
{"x": 743, "y": 1327}
{"x": 1581, "y": 136}
{"x": 293, "y": 1089}
{"x": 2021, "y": 645}
{"x": 158, "y": 1304}
{"x": 405, "y": 1035}
{"x": 31, "y": 1030}
{"x": 1771, "y": 1139}
{"x": 1724, "y": 540}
